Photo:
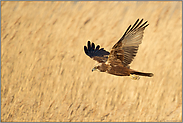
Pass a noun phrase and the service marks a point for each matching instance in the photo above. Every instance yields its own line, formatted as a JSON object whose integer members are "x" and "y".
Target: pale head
{"x": 97, "y": 66}
{"x": 102, "y": 67}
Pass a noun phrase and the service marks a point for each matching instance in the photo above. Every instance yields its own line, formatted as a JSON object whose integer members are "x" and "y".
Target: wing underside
{"x": 126, "y": 48}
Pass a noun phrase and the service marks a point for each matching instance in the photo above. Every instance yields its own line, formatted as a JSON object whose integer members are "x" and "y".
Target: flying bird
{"x": 122, "y": 53}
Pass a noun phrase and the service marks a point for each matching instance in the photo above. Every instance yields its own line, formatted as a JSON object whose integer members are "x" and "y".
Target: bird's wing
{"x": 98, "y": 54}
{"x": 126, "y": 48}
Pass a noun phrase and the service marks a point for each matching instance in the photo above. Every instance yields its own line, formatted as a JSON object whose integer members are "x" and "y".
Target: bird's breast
{"x": 118, "y": 70}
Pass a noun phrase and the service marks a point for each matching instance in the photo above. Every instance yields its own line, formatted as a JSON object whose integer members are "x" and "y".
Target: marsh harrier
{"x": 122, "y": 53}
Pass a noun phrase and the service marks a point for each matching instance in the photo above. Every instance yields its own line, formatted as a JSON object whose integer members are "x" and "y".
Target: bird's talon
{"x": 134, "y": 77}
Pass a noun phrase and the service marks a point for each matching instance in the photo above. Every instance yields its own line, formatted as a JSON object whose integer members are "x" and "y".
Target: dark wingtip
{"x": 89, "y": 46}
{"x": 136, "y": 21}
{"x": 88, "y": 42}
{"x": 146, "y": 25}
{"x": 85, "y": 49}
{"x": 97, "y": 48}
{"x": 93, "y": 46}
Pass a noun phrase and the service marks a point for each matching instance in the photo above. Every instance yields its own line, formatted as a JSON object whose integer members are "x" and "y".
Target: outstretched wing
{"x": 98, "y": 54}
{"x": 126, "y": 48}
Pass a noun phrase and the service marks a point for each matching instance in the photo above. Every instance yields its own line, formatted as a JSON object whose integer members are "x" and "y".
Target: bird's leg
{"x": 134, "y": 77}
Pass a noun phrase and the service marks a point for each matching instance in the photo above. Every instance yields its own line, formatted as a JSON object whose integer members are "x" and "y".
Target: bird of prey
{"x": 122, "y": 53}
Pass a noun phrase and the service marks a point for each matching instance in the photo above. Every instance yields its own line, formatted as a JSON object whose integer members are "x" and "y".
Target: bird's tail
{"x": 142, "y": 74}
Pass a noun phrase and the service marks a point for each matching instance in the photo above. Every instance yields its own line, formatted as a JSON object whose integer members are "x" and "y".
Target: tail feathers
{"x": 142, "y": 74}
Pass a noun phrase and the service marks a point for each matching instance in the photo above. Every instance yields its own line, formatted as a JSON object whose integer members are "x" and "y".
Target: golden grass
{"x": 46, "y": 75}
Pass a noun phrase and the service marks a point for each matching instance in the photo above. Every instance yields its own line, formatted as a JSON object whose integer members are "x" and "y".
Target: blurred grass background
{"x": 46, "y": 76}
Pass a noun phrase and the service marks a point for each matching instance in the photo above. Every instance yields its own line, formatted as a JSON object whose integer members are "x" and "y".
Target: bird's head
{"x": 100, "y": 67}
{"x": 95, "y": 68}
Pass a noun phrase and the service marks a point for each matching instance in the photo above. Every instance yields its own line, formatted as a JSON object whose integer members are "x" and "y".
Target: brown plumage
{"x": 122, "y": 53}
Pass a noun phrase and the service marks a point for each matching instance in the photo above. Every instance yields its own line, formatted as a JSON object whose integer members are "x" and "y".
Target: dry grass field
{"x": 46, "y": 76}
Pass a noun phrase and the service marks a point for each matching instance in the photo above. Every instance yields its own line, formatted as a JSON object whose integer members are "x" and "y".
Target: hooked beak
{"x": 93, "y": 69}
